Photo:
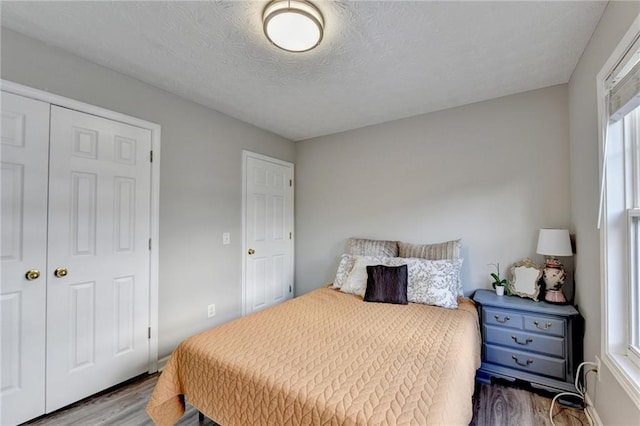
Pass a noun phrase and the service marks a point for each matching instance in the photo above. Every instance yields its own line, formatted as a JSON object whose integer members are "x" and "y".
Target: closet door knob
{"x": 60, "y": 272}
{"x": 32, "y": 274}
{"x": 251, "y": 251}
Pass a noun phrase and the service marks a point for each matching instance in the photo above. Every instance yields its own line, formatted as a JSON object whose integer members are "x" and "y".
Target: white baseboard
{"x": 162, "y": 362}
{"x": 590, "y": 411}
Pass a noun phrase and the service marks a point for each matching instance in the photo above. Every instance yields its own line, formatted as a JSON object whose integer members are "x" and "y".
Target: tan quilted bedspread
{"x": 328, "y": 358}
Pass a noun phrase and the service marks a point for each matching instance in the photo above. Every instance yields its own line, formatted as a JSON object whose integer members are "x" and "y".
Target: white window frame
{"x": 616, "y": 239}
{"x": 632, "y": 139}
{"x": 633, "y": 348}
{"x": 632, "y": 174}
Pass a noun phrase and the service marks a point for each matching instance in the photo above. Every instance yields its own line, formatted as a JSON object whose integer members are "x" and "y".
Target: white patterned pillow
{"x": 344, "y": 268}
{"x": 434, "y": 251}
{"x": 356, "y": 282}
{"x": 431, "y": 282}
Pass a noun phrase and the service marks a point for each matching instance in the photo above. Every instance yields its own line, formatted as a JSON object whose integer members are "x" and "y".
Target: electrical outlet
{"x": 211, "y": 310}
{"x": 598, "y": 367}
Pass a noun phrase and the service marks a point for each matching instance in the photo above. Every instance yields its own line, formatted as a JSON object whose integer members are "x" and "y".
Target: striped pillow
{"x": 437, "y": 251}
{"x": 363, "y": 247}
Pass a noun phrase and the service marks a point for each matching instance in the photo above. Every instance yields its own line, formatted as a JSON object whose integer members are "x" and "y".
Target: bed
{"x": 328, "y": 358}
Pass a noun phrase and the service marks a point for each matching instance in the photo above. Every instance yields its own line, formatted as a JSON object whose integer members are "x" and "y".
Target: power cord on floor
{"x": 581, "y": 391}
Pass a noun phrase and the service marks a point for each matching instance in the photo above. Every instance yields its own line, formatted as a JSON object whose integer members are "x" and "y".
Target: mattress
{"x": 327, "y": 358}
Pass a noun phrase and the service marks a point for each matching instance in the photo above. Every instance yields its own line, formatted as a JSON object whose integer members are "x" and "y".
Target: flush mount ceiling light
{"x": 293, "y": 25}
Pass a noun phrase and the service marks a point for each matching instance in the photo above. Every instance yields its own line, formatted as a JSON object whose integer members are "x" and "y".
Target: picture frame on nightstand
{"x": 525, "y": 279}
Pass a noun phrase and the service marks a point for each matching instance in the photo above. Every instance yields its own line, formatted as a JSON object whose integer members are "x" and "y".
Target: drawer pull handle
{"x": 544, "y": 327}
{"x": 524, "y": 364}
{"x": 501, "y": 321}
{"x": 526, "y": 342}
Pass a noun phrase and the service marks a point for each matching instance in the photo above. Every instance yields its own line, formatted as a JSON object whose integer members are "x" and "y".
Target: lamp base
{"x": 555, "y": 296}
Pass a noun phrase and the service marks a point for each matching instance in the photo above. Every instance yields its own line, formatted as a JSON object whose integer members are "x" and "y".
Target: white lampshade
{"x": 554, "y": 242}
{"x": 293, "y": 25}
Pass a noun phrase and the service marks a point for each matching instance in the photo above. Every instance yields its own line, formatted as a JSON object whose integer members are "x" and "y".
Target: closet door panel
{"x": 24, "y": 174}
{"x": 97, "y": 313}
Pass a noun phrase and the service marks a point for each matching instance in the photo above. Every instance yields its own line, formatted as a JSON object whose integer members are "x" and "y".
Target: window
{"x": 619, "y": 220}
{"x": 632, "y": 138}
{"x": 631, "y": 124}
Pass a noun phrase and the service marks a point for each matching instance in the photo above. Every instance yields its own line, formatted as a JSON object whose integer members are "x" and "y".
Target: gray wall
{"x": 200, "y": 179}
{"x": 491, "y": 173}
{"x": 612, "y": 403}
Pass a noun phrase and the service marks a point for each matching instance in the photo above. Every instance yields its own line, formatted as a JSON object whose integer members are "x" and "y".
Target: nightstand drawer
{"x": 533, "y": 363}
{"x": 548, "y": 345}
{"x": 541, "y": 324}
{"x": 502, "y": 318}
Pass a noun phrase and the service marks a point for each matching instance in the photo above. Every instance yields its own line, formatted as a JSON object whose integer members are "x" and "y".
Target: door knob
{"x": 251, "y": 251}
{"x": 60, "y": 272}
{"x": 32, "y": 274}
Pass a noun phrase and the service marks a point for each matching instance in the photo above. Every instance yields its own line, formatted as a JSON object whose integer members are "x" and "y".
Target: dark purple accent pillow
{"x": 386, "y": 284}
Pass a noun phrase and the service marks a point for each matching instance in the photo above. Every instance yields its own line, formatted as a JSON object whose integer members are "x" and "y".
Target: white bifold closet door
{"x": 99, "y": 201}
{"x": 24, "y": 158}
{"x": 75, "y": 207}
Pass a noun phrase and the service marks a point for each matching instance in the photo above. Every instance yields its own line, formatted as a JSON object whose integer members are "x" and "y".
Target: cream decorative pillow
{"x": 344, "y": 268}
{"x": 431, "y": 282}
{"x": 363, "y": 247}
{"x": 356, "y": 282}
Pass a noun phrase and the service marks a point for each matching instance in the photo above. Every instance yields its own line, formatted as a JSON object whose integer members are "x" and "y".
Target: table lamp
{"x": 552, "y": 243}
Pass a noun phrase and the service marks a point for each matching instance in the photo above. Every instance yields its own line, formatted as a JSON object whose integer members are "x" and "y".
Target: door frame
{"x": 245, "y": 155}
{"x": 29, "y": 92}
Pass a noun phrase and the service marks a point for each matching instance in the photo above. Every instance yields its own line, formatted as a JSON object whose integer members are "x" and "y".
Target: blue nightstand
{"x": 537, "y": 342}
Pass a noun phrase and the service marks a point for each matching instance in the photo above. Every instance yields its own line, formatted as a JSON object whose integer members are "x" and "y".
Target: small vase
{"x": 500, "y": 290}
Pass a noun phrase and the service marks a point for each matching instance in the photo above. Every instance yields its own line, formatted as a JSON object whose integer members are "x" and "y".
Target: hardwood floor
{"x": 123, "y": 406}
{"x": 494, "y": 405}
{"x": 505, "y": 405}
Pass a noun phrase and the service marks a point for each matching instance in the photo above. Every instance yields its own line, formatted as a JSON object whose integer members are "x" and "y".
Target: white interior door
{"x": 98, "y": 300}
{"x": 268, "y": 242}
{"x": 24, "y": 158}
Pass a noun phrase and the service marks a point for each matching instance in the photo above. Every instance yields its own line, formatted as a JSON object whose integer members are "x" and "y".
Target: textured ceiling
{"x": 378, "y": 61}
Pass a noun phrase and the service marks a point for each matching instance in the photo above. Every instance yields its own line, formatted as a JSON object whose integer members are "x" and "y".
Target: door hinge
{"x": 289, "y": 289}
{"x": 289, "y": 235}
{"x": 149, "y": 243}
{"x": 149, "y": 332}
{"x": 151, "y": 156}
{"x": 290, "y": 182}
